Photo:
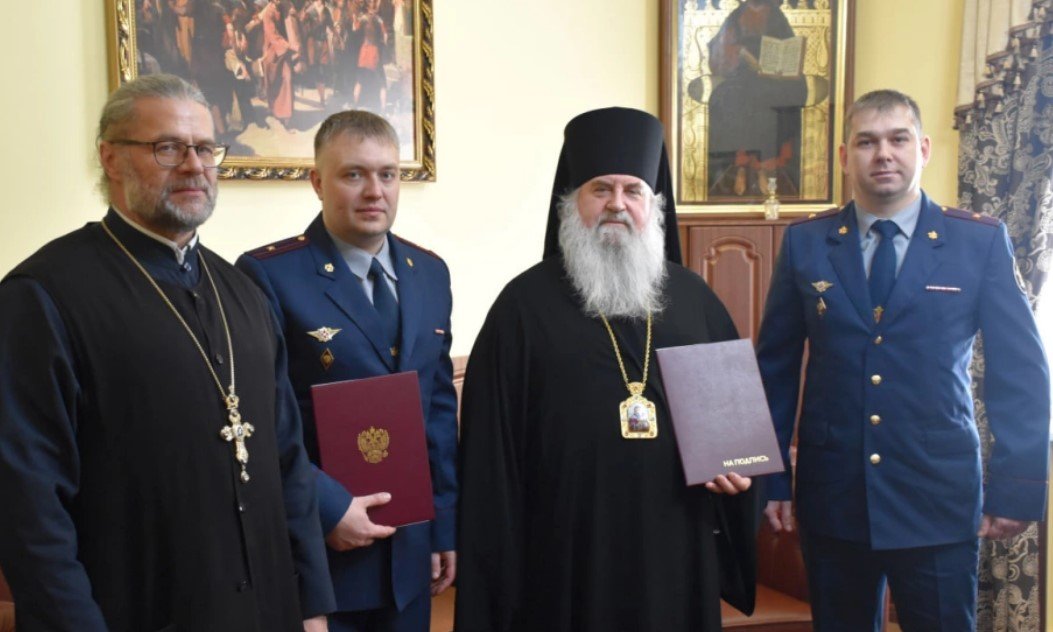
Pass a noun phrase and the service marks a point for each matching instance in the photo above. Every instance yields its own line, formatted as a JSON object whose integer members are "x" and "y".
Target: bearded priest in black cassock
{"x": 574, "y": 514}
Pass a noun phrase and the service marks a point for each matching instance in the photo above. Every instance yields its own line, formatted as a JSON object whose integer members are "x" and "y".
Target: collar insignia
{"x": 933, "y": 234}
{"x": 843, "y": 230}
{"x": 323, "y": 334}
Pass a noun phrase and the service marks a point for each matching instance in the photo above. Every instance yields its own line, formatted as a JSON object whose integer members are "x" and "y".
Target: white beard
{"x": 615, "y": 270}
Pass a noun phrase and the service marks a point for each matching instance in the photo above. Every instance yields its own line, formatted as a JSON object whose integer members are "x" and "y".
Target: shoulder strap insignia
{"x": 279, "y": 247}
{"x": 814, "y": 216}
{"x": 418, "y": 247}
{"x": 969, "y": 215}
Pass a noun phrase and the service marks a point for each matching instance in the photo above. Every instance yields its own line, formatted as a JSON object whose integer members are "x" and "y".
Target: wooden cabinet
{"x": 736, "y": 257}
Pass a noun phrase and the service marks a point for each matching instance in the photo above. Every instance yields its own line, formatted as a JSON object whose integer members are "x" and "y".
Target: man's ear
{"x": 110, "y": 159}
{"x": 926, "y": 150}
{"x": 316, "y": 182}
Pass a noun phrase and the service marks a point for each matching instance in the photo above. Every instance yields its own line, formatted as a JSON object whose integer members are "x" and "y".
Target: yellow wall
{"x": 508, "y": 77}
{"x": 918, "y": 55}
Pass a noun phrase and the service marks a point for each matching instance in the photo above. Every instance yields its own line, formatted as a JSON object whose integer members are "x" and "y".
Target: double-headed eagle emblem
{"x": 373, "y": 444}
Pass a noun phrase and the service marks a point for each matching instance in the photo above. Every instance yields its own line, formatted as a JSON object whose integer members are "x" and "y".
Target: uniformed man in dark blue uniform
{"x": 890, "y": 293}
{"x": 356, "y": 301}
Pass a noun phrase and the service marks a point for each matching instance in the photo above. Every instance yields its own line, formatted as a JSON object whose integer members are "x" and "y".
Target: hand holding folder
{"x": 371, "y": 440}
{"x": 356, "y": 529}
{"x": 720, "y": 413}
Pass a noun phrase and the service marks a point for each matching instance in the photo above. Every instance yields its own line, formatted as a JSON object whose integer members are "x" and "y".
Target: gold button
{"x": 879, "y": 340}
{"x": 875, "y": 458}
{"x": 875, "y": 420}
{"x": 875, "y": 379}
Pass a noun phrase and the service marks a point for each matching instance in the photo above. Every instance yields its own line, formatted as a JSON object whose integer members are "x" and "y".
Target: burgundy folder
{"x": 720, "y": 414}
{"x": 371, "y": 439}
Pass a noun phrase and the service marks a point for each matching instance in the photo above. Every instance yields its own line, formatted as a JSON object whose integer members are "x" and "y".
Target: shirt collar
{"x": 359, "y": 260}
{"x": 179, "y": 253}
{"x": 906, "y": 219}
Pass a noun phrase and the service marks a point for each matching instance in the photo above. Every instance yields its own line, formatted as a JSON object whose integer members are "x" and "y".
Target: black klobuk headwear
{"x": 613, "y": 141}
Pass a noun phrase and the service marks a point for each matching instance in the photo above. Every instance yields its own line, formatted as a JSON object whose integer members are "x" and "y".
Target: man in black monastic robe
{"x": 570, "y": 519}
{"x": 152, "y": 468}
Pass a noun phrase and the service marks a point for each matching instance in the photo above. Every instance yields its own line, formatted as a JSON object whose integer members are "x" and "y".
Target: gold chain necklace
{"x": 238, "y": 431}
{"x": 638, "y": 418}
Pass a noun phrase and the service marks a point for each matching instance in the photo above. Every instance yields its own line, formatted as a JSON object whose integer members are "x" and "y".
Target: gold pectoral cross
{"x": 237, "y": 432}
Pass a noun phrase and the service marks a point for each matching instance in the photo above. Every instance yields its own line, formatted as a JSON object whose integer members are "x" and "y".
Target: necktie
{"x": 385, "y": 304}
{"x": 883, "y": 266}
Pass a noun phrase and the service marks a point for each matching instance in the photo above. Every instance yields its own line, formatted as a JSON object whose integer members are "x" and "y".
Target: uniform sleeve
{"x": 441, "y": 435}
{"x": 1016, "y": 392}
{"x": 40, "y": 465}
{"x": 298, "y": 475}
{"x": 301, "y": 502}
{"x": 332, "y": 497}
{"x": 490, "y": 515}
{"x": 780, "y": 348}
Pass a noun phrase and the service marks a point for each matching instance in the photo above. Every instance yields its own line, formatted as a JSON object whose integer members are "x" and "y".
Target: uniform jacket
{"x": 888, "y": 450}
{"x": 310, "y": 286}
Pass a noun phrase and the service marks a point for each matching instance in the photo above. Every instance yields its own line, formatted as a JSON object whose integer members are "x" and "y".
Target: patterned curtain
{"x": 1005, "y": 169}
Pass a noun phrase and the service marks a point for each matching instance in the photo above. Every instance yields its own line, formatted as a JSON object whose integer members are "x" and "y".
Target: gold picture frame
{"x": 284, "y": 86}
{"x": 734, "y": 124}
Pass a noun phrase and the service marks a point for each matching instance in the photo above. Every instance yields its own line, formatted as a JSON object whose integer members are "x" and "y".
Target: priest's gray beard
{"x": 614, "y": 271}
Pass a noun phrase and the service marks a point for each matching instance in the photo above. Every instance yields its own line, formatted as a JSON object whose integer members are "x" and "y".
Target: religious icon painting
{"x": 752, "y": 99}
{"x": 638, "y": 418}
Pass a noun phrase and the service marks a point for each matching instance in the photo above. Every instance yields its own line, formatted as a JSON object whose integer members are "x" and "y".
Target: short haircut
{"x": 119, "y": 109}
{"x": 360, "y": 124}
{"x": 882, "y": 101}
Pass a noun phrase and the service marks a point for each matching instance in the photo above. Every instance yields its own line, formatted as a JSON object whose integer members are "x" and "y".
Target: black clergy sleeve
{"x": 39, "y": 465}
{"x": 738, "y": 516}
{"x": 301, "y": 502}
{"x": 490, "y": 520}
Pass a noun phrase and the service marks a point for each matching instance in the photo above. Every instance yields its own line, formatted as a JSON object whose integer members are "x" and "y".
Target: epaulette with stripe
{"x": 418, "y": 247}
{"x": 814, "y": 216}
{"x": 279, "y": 247}
{"x": 950, "y": 211}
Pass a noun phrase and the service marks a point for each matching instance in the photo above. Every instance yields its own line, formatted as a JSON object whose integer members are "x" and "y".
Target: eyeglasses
{"x": 172, "y": 153}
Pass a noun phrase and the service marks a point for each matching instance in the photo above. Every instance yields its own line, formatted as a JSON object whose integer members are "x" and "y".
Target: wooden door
{"x": 736, "y": 258}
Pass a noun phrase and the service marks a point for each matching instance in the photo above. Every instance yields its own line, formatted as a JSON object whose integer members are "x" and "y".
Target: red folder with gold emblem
{"x": 371, "y": 439}
{"x": 719, "y": 410}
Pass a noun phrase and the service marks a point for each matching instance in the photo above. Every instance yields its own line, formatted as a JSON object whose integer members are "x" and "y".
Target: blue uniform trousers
{"x": 933, "y": 587}
{"x": 413, "y": 618}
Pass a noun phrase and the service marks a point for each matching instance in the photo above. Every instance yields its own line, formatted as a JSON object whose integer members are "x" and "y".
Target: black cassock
{"x": 123, "y": 508}
{"x": 565, "y": 526}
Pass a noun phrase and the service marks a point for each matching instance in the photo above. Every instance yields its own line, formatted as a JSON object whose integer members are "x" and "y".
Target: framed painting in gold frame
{"x": 753, "y": 94}
{"x": 273, "y": 70}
